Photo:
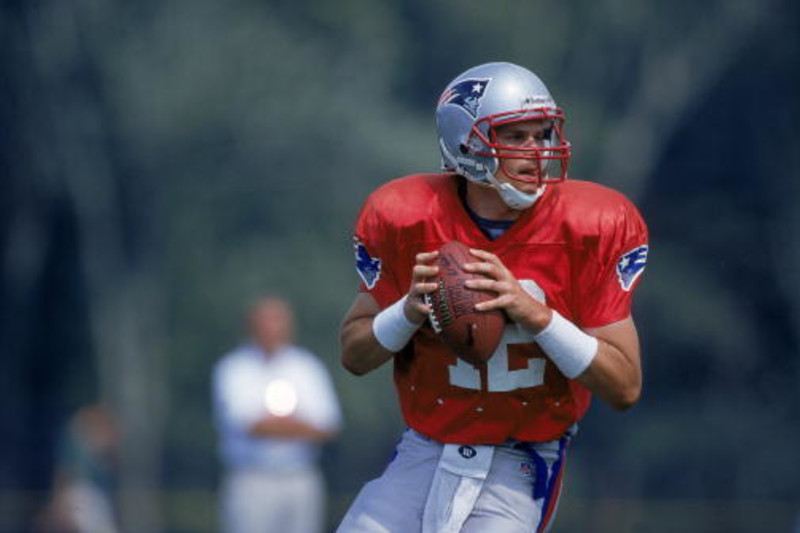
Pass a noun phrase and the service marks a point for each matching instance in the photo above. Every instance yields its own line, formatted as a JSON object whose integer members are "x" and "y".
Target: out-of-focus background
{"x": 162, "y": 163}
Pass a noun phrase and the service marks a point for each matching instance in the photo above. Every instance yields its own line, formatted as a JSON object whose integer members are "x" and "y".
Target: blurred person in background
{"x": 275, "y": 406}
{"x": 486, "y": 445}
{"x": 84, "y": 485}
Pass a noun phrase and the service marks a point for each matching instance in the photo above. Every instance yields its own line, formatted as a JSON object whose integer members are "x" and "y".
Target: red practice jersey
{"x": 580, "y": 249}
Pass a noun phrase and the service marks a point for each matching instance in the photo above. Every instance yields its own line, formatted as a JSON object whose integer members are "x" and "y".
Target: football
{"x": 473, "y": 335}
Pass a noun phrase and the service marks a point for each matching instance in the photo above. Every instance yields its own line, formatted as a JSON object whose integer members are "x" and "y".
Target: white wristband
{"x": 568, "y": 347}
{"x": 391, "y": 327}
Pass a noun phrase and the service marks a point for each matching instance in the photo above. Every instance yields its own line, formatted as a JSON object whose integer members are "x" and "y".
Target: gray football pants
{"x": 519, "y": 495}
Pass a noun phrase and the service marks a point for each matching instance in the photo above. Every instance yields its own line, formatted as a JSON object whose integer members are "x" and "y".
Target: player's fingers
{"x": 492, "y": 259}
{"x": 424, "y": 287}
{"x": 487, "y": 284}
{"x": 416, "y": 309}
{"x": 503, "y": 287}
{"x": 487, "y": 269}
{"x": 480, "y": 284}
{"x": 424, "y": 271}
{"x": 426, "y": 257}
{"x": 503, "y": 301}
{"x": 489, "y": 305}
{"x": 421, "y": 305}
{"x": 486, "y": 256}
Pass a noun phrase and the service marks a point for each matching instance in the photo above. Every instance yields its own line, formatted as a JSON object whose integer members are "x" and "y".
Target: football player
{"x": 485, "y": 446}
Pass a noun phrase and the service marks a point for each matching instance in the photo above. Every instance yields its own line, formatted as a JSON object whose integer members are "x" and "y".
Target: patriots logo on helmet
{"x": 466, "y": 94}
{"x": 631, "y": 265}
{"x": 368, "y": 269}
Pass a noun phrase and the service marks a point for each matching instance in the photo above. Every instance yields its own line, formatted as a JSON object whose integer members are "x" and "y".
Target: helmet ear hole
{"x": 463, "y": 148}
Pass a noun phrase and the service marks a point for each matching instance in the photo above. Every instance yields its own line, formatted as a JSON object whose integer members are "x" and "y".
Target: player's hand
{"x": 518, "y": 304}
{"x": 416, "y": 309}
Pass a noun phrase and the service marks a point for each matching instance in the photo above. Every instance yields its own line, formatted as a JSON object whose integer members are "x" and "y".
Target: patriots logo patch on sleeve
{"x": 631, "y": 265}
{"x": 466, "y": 94}
{"x": 368, "y": 269}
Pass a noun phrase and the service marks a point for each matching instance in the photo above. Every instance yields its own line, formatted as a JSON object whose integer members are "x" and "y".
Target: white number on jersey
{"x": 500, "y": 377}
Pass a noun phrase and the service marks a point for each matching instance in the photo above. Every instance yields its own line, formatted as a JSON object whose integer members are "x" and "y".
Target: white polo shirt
{"x": 248, "y": 385}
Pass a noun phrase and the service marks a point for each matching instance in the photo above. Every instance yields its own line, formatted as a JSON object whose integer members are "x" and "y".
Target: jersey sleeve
{"x": 375, "y": 246}
{"x": 614, "y": 268}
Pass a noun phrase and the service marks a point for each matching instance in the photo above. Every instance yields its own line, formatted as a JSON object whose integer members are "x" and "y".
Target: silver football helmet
{"x": 485, "y": 97}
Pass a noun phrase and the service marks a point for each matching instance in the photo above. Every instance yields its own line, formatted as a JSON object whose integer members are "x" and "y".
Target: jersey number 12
{"x": 499, "y": 375}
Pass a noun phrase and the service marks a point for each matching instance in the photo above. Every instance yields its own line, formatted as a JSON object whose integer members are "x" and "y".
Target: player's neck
{"x": 487, "y": 203}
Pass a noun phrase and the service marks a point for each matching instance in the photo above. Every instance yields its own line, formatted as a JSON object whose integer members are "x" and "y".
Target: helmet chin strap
{"x": 513, "y": 197}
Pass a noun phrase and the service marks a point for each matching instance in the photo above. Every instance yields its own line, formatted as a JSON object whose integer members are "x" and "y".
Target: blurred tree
{"x": 82, "y": 163}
